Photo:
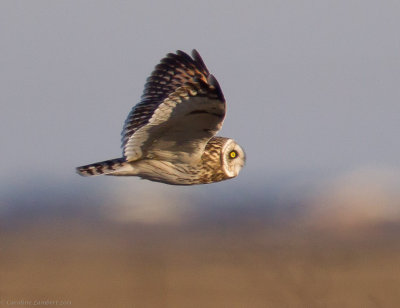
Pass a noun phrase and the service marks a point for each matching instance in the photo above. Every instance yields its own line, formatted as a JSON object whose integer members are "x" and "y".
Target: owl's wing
{"x": 181, "y": 108}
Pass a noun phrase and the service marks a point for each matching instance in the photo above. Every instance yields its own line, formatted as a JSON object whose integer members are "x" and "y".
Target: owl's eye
{"x": 233, "y": 154}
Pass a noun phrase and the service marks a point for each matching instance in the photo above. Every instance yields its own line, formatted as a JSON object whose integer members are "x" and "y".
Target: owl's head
{"x": 233, "y": 158}
{"x": 222, "y": 159}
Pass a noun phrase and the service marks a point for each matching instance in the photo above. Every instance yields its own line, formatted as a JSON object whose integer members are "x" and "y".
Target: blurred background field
{"x": 136, "y": 248}
{"x": 313, "y": 97}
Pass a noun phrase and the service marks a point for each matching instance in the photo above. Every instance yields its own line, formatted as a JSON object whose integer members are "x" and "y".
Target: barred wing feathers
{"x": 181, "y": 108}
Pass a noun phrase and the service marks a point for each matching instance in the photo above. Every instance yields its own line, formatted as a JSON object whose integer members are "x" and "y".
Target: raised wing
{"x": 181, "y": 108}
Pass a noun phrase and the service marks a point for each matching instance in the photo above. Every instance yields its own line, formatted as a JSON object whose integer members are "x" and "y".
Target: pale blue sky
{"x": 312, "y": 86}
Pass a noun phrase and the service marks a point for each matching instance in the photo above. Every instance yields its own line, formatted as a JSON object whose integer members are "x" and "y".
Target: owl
{"x": 169, "y": 136}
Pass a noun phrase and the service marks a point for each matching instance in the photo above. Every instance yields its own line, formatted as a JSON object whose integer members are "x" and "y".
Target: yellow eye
{"x": 233, "y": 154}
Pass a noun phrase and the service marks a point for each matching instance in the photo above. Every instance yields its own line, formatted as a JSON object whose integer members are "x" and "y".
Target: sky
{"x": 312, "y": 87}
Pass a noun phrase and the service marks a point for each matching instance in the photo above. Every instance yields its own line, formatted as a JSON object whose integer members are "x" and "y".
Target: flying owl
{"x": 169, "y": 136}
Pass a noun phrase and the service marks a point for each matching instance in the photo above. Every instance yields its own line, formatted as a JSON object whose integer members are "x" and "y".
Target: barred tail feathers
{"x": 117, "y": 166}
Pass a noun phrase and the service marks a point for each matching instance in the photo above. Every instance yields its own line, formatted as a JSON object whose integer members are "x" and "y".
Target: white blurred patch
{"x": 147, "y": 203}
{"x": 361, "y": 198}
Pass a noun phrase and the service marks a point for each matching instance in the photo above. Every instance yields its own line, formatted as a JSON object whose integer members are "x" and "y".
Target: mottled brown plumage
{"x": 169, "y": 136}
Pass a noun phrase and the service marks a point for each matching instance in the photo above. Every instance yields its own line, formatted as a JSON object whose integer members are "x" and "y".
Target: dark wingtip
{"x": 213, "y": 82}
{"x": 195, "y": 54}
{"x": 180, "y": 52}
{"x": 184, "y": 55}
{"x": 197, "y": 58}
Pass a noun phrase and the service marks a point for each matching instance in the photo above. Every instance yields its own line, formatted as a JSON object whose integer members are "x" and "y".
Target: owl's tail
{"x": 117, "y": 166}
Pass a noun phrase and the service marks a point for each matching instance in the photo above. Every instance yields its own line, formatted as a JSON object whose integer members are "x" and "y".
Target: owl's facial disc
{"x": 233, "y": 158}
